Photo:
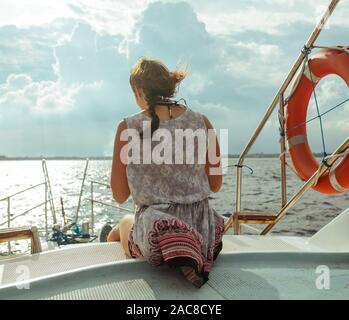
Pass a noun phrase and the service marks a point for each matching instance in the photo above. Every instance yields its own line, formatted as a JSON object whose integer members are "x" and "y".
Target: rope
{"x": 292, "y": 169}
{"x": 306, "y": 51}
{"x": 321, "y": 115}
{"x": 340, "y": 155}
{"x": 324, "y": 162}
{"x": 182, "y": 99}
{"x": 244, "y": 166}
{"x": 241, "y": 166}
{"x": 317, "y": 105}
{"x": 168, "y": 101}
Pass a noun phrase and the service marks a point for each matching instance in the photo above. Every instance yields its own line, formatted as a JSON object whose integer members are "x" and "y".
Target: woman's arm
{"x": 213, "y": 163}
{"x": 118, "y": 182}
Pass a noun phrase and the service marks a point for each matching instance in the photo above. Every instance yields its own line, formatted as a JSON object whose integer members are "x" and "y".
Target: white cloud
{"x": 109, "y": 16}
{"x": 198, "y": 83}
{"x": 26, "y": 13}
{"x": 251, "y": 19}
{"x": 20, "y": 91}
{"x": 15, "y": 81}
{"x": 105, "y": 16}
{"x": 236, "y": 60}
{"x": 268, "y": 16}
{"x": 331, "y": 91}
{"x": 220, "y": 17}
{"x": 265, "y": 52}
{"x": 261, "y": 64}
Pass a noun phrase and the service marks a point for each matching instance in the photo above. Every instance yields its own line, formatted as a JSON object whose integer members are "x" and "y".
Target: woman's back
{"x": 162, "y": 157}
{"x": 175, "y": 172}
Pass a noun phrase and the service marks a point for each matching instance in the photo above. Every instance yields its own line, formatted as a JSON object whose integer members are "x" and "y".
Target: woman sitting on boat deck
{"x": 173, "y": 222}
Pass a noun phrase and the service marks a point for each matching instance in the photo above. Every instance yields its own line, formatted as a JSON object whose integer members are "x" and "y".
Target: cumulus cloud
{"x": 109, "y": 16}
{"x": 260, "y": 63}
{"x": 273, "y": 17}
{"x": 32, "y": 13}
{"x": 20, "y": 90}
{"x": 72, "y": 114}
{"x": 64, "y": 85}
{"x": 29, "y": 50}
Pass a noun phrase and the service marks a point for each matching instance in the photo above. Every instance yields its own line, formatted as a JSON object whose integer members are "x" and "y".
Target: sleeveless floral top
{"x": 174, "y": 223}
{"x": 168, "y": 183}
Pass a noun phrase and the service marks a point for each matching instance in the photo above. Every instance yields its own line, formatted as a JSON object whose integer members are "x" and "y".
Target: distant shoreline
{"x": 231, "y": 156}
{"x": 2, "y": 158}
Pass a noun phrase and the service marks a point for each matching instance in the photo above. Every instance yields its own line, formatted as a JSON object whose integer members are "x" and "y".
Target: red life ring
{"x": 325, "y": 62}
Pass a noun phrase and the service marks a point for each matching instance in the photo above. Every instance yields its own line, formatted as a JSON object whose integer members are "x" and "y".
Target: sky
{"x": 64, "y": 67}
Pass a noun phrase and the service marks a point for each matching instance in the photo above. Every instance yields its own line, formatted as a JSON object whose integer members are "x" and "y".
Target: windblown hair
{"x": 157, "y": 82}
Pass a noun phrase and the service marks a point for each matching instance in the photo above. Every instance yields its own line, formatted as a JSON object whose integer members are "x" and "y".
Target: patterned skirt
{"x": 188, "y": 236}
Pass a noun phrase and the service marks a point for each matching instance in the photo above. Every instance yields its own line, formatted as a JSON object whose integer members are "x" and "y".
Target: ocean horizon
{"x": 261, "y": 192}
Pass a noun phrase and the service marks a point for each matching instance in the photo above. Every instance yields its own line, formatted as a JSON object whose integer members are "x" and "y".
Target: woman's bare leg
{"x": 114, "y": 235}
{"x": 121, "y": 232}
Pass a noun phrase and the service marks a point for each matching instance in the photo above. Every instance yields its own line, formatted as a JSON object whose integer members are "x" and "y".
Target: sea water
{"x": 260, "y": 192}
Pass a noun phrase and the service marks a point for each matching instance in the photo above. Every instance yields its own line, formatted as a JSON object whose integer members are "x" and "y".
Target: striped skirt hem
{"x": 177, "y": 244}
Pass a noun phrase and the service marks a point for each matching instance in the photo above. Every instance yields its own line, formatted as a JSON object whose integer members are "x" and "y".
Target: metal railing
{"x": 48, "y": 193}
{"x": 81, "y": 190}
{"x": 7, "y": 199}
{"x": 49, "y": 201}
{"x": 11, "y": 217}
{"x": 93, "y": 201}
{"x": 279, "y": 100}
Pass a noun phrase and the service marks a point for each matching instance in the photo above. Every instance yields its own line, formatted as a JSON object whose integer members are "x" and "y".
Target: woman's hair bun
{"x": 179, "y": 74}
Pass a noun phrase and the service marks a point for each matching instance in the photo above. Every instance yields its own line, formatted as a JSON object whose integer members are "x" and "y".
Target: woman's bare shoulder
{"x": 122, "y": 125}
{"x": 207, "y": 121}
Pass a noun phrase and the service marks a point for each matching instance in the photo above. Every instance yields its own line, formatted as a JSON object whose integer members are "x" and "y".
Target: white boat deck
{"x": 75, "y": 257}
{"x": 278, "y": 275}
{"x": 249, "y": 267}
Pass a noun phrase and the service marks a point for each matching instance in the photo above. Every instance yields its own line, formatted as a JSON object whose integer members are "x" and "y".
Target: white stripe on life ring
{"x": 297, "y": 140}
{"x": 311, "y": 76}
{"x": 333, "y": 180}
